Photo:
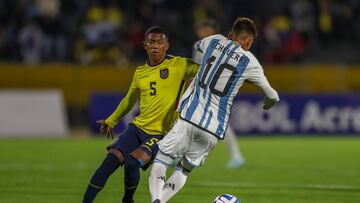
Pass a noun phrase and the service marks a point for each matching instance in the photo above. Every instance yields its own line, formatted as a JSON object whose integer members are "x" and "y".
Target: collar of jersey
{"x": 167, "y": 56}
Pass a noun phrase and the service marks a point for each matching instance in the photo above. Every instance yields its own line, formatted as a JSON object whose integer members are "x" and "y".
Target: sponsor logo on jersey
{"x": 164, "y": 73}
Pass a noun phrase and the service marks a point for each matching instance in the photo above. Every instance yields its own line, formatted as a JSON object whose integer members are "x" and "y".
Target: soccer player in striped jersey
{"x": 158, "y": 85}
{"x": 205, "y": 107}
{"x": 205, "y": 29}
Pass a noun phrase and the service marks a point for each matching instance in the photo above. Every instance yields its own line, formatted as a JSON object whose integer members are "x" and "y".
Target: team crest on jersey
{"x": 164, "y": 73}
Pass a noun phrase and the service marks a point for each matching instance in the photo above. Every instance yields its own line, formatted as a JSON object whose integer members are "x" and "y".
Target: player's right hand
{"x": 105, "y": 129}
{"x": 268, "y": 103}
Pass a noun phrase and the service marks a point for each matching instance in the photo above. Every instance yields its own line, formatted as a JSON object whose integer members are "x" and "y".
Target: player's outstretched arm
{"x": 125, "y": 105}
{"x": 257, "y": 77}
{"x": 105, "y": 129}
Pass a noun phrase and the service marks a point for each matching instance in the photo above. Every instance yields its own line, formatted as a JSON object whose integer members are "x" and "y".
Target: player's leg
{"x": 157, "y": 176}
{"x": 124, "y": 144}
{"x": 112, "y": 161}
{"x": 139, "y": 158}
{"x": 132, "y": 173}
{"x": 198, "y": 146}
{"x": 171, "y": 147}
{"x": 176, "y": 181}
{"x": 236, "y": 158}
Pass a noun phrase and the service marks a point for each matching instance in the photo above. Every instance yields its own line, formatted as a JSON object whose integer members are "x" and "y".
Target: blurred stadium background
{"x": 66, "y": 63}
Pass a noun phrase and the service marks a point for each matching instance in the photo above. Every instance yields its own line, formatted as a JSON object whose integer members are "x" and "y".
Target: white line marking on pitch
{"x": 279, "y": 185}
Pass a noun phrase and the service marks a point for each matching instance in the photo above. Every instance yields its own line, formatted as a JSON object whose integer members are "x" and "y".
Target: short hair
{"x": 208, "y": 23}
{"x": 244, "y": 25}
{"x": 156, "y": 29}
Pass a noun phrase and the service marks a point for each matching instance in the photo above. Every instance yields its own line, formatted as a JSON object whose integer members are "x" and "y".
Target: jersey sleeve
{"x": 125, "y": 105}
{"x": 256, "y": 76}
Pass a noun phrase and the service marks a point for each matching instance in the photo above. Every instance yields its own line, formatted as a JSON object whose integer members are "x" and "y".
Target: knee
{"x": 138, "y": 159}
{"x": 184, "y": 167}
{"x": 117, "y": 154}
{"x": 133, "y": 163}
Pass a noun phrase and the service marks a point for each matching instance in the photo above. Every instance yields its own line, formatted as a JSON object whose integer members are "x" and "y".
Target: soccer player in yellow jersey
{"x": 158, "y": 85}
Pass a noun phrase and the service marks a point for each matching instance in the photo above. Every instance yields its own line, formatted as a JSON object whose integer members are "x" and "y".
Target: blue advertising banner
{"x": 299, "y": 114}
{"x": 295, "y": 114}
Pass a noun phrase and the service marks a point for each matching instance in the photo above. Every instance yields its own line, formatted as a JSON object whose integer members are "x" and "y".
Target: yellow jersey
{"x": 159, "y": 88}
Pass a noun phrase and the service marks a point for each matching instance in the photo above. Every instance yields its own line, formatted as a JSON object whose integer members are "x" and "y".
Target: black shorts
{"x": 134, "y": 138}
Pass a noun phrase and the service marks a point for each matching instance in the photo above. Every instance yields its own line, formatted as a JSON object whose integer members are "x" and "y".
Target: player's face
{"x": 205, "y": 31}
{"x": 156, "y": 45}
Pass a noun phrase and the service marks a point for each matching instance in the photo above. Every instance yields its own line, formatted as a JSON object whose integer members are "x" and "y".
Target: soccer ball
{"x": 226, "y": 198}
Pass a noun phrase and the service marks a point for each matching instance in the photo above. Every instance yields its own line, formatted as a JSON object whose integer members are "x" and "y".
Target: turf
{"x": 287, "y": 169}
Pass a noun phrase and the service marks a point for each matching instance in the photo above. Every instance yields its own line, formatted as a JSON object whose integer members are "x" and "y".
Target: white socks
{"x": 162, "y": 190}
{"x": 173, "y": 185}
{"x": 157, "y": 180}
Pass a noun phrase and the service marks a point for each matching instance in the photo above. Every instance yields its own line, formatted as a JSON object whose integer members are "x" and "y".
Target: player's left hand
{"x": 268, "y": 103}
{"x": 105, "y": 129}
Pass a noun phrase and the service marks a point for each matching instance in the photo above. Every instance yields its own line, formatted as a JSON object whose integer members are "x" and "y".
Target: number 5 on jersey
{"x": 153, "y": 89}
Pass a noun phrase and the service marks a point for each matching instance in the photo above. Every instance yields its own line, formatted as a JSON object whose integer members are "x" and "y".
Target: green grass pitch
{"x": 286, "y": 169}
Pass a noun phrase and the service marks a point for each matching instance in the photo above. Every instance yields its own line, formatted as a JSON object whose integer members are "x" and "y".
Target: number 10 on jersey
{"x": 221, "y": 81}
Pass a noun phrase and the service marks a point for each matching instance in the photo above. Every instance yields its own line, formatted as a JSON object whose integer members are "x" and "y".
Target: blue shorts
{"x": 134, "y": 138}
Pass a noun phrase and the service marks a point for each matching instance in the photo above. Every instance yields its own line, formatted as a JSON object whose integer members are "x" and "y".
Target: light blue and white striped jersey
{"x": 224, "y": 67}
